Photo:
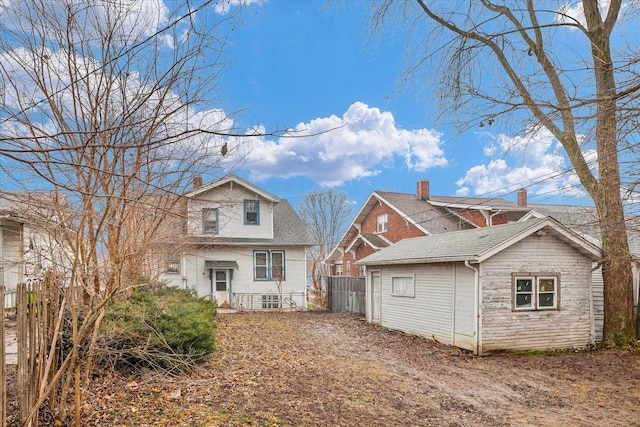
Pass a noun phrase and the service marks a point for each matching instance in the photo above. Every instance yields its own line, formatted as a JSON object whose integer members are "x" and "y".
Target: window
{"x": 221, "y": 280}
{"x": 362, "y": 270}
{"x": 535, "y": 292}
{"x": 252, "y": 212}
{"x": 383, "y": 223}
{"x": 348, "y": 269}
{"x": 268, "y": 265}
{"x": 209, "y": 221}
{"x": 338, "y": 269}
{"x": 173, "y": 267}
{"x": 270, "y": 301}
{"x": 402, "y": 286}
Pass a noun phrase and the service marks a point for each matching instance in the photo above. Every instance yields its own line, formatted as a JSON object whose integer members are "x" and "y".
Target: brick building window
{"x": 383, "y": 223}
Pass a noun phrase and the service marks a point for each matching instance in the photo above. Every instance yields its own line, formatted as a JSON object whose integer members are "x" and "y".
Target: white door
{"x": 220, "y": 287}
{"x": 375, "y": 296}
{"x": 464, "y": 308}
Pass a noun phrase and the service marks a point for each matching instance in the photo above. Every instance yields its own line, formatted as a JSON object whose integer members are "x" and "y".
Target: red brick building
{"x": 388, "y": 217}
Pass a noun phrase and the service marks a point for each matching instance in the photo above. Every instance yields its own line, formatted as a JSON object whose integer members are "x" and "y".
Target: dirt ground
{"x": 327, "y": 369}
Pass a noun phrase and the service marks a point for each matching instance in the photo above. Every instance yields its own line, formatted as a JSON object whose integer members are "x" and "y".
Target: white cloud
{"x": 130, "y": 19}
{"x": 573, "y": 12}
{"x": 222, "y": 7}
{"x": 333, "y": 150}
{"x": 535, "y": 160}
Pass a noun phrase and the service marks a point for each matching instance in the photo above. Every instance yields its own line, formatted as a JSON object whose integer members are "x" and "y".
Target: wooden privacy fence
{"x": 3, "y": 367}
{"x": 346, "y": 294}
{"x": 36, "y": 312}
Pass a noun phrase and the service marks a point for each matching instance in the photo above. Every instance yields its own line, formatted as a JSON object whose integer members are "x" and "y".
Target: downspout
{"x": 183, "y": 263}
{"x": 592, "y": 313}
{"x": 476, "y": 307}
{"x": 231, "y": 288}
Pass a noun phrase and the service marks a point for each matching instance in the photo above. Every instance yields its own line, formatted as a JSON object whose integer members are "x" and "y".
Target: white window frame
{"x": 403, "y": 286}
{"x": 382, "y": 223}
{"x": 338, "y": 269}
{"x": 537, "y": 292}
{"x": 348, "y": 268}
{"x": 247, "y": 211}
{"x": 173, "y": 266}
{"x": 270, "y": 301}
{"x": 270, "y": 269}
{"x": 206, "y": 223}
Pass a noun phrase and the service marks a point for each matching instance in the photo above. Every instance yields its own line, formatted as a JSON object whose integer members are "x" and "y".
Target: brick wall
{"x": 397, "y": 226}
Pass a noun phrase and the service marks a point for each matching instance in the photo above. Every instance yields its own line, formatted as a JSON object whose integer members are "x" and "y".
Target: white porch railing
{"x": 270, "y": 301}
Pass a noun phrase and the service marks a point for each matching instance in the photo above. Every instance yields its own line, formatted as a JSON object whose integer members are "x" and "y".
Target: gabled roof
{"x": 474, "y": 245}
{"x": 424, "y": 216}
{"x": 583, "y": 219}
{"x": 235, "y": 179}
{"x": 288, "y": 230}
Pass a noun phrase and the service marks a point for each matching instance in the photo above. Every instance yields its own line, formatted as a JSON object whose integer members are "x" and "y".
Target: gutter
{"x": 420, "y": 261}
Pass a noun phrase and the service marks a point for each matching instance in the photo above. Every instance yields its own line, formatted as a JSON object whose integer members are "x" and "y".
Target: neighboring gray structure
{"x": 518, "y": 286}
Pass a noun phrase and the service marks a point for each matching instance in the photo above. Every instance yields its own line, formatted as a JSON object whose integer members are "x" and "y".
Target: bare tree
{"x": 107, "y": 106}
{"x": 510, "y": 60}
{"x": 326, "y": 214}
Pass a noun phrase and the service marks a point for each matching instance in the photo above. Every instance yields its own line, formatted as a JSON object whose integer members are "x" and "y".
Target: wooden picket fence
{"x": 35, "y": 313}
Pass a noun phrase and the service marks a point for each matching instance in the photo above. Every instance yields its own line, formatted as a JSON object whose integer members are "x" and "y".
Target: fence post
{"x": 3, "y": 367}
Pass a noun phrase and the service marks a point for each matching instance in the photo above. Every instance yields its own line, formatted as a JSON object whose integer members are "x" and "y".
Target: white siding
{"x": 568, "y": 327}
{"x": 197, "y": 277}
{"x": 429, "y": 313}
{"x": 11, "y": 260}
{"x": 229, "y": 200}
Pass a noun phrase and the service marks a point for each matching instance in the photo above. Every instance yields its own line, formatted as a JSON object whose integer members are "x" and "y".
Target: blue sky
{"x": 313, "y": 66}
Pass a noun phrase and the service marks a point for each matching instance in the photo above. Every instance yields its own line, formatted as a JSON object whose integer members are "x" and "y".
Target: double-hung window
{"x": 535, "y": 291}
{"x": 252, "y": 212}
{"x": 383, "y": 223}
{"x": 209, "y": 221}
{"x": 268, "y": 265}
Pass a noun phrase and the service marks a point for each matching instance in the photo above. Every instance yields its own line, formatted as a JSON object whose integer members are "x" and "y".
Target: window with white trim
{"x": 252, "y": 212}
{"x": 348, "y": 269}
{"x": 383, "y": 223}
{"x": 338, "y": 269}
{"x": 535, "y": 291}
{"x": 270, "y": 301}
{"x": 173, "y": 266}
{"x": 209, "y": 221}
{"x": 403, "y": 286}
{"x": 268, "y": 265}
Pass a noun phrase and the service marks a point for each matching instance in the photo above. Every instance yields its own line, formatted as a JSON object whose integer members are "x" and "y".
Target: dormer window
{"x": 383, "y": 223}
{"x": 209, "y": 221}
{"x": 252, "y": 212}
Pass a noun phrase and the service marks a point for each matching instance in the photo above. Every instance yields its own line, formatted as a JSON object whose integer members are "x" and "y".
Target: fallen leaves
{"x": 309, "y": 369}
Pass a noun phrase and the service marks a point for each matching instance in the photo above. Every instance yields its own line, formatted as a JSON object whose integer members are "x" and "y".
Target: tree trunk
{"x": 616, "y": 267}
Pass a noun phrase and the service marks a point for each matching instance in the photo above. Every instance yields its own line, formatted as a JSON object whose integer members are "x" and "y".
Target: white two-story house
{"x": 244, "y": 247}
{"x": 29, "y": 248}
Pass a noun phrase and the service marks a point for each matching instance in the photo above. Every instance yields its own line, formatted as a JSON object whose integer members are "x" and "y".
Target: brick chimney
{"x": 197, "y": 182}
{"x": 522, "y": 198}
{"x": 423, "y": 189}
